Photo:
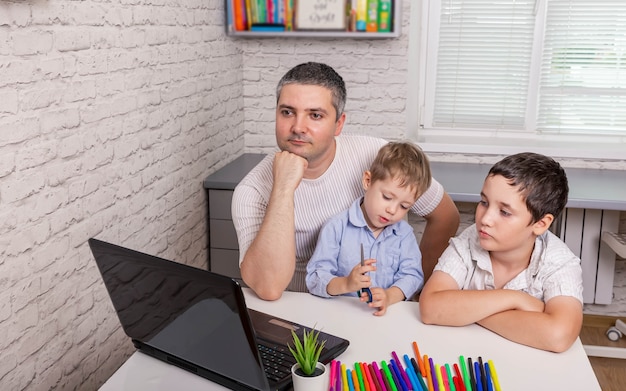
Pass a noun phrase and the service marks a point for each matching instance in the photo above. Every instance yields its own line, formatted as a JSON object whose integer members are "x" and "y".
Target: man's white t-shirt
{"x": 316, "y": 200}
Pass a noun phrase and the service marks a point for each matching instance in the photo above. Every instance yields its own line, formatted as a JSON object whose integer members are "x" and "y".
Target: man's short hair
{"x": 317, "y": 74}
{"x": 541, "y": 180}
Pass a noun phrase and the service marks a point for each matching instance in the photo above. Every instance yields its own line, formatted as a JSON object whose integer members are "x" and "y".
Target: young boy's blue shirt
{"x": 338, "y": 250}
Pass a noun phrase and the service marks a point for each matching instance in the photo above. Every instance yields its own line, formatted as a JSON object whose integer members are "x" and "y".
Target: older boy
{"x": 507, "y": 272}
{"x": 374, "y": 224}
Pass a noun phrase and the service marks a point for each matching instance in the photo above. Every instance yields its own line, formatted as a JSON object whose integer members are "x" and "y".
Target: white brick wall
{"x": 111, "y": 116}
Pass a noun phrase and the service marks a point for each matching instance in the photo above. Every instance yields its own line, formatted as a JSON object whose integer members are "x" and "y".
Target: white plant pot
{"x": 310, "y": 383}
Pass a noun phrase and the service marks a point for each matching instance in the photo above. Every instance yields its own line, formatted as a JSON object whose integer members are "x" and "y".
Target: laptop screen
{"x": 182, "y": 312}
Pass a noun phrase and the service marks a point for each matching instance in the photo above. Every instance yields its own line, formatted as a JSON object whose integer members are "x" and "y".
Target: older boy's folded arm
{"x": 443, "y": 303}
{"x": 555, "y": 329}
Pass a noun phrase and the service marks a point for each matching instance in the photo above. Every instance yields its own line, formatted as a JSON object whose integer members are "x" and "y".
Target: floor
{"x": 611, "y": 372}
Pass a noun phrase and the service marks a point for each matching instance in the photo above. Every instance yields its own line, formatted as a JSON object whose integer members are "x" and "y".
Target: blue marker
{"x": 420, "y": 376}
{"x": 488, "y": 377}
{"x": 349, "y": 376}
{"x": 479, "y": 383}
{"x": 398, "y": 374}
{"x": 411, "y": 373}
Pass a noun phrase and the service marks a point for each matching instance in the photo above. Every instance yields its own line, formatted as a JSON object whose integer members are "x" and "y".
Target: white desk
{"x": 374, "y": 338}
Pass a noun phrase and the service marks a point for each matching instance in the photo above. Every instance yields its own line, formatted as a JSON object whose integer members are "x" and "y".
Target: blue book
{"x": 267, "y": 27}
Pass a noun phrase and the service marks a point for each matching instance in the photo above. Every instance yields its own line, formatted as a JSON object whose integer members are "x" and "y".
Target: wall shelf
{"x": 394, "y": 33}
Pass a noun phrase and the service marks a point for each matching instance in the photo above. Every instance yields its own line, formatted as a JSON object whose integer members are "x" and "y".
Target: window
{"x": 508, "y": 75}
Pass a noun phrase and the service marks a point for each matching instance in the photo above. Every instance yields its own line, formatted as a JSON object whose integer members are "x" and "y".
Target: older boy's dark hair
{"x": 404, "y": 161}
{"x": 541, "y": 180}
{"x": 317, "y": 74}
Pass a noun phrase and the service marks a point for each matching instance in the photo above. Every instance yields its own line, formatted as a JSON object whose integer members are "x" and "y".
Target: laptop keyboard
{"x": 277, "y": 361}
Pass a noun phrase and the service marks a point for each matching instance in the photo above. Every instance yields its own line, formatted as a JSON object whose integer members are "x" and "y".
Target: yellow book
{"x": 361, "y": 15}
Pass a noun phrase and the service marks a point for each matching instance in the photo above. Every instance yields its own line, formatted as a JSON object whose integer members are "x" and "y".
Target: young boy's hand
{"x": 358, "y": 278}
{"x": 379, "y": 300}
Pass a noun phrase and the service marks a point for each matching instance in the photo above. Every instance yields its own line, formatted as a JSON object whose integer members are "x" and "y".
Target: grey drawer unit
{"x": 223, "y": 249}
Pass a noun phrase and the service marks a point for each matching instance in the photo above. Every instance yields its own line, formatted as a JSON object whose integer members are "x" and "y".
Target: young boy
{"x": 392, "y": 266}
{"x": 507, "y": 272}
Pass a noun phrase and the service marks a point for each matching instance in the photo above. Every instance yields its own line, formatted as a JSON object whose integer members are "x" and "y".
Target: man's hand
{"x": 288, "y": 171}
{"x": 268, "y": 265}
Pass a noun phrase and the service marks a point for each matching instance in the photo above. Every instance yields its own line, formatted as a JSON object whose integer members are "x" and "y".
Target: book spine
{"x": 269, "y": 7}
{"x": 289, "y": 15}
{"x": 279, "y": 11}
{"x": 258, "y": 11}
{"x": 239, "y": 14}
{"x": 372, "y": 16}
{"x": 361, "y": 15}
{"x": 254, "y": 12}
{"x": 384, "y": 15}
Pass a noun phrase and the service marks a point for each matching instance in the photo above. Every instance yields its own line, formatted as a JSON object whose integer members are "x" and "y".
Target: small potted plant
{"x": 308, "y": 373}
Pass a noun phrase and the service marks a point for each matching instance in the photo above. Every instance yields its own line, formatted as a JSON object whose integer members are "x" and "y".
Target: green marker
{"x": 359, "y": 375}
{"x": 392, "y": 383}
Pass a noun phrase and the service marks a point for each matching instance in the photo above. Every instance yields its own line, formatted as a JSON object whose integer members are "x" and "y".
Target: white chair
{"x": 617, "y": 243}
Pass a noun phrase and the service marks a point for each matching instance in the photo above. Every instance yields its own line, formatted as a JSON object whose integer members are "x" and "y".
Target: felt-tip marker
{"x": 470, "y": 369}
{"x": 479, "y": 382}
{"x": 494, "y": 376}
{"x": 488, "y": 377}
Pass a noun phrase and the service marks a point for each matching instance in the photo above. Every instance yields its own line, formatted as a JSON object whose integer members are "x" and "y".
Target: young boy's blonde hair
{"x": 404, "y": 161}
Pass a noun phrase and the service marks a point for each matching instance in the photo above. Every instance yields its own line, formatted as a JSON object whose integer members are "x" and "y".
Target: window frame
{"x": 485, "y": 141}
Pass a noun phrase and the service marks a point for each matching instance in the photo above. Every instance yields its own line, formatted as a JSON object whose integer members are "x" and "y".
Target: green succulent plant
{"x": 307, "y": 352}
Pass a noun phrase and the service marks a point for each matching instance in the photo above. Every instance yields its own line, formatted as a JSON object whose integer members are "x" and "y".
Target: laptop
{"x": 198, "y": 321}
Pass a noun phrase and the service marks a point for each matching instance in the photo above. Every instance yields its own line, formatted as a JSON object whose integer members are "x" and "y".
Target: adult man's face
{"x": 306, "y": 124}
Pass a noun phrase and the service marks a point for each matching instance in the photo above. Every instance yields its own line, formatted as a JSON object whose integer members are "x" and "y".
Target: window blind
{"x": 583, "y": 68}
{"x": 530, "y": 67}
{"x": 483, "y": 63}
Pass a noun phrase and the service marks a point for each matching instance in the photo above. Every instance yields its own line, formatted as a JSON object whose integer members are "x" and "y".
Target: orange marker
{"x": 355, "y": 381}
{"x": 429, "y": 376}
{"x": 367, "y": 378}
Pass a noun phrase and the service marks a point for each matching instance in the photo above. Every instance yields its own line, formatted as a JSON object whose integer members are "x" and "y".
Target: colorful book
{"x": 239, "y": 15}
{"x": 267, "y": 27}
{"x": 289, "y": 15}
{"x": 361, "y": 15}
{"x": 372, "y": 16}
{"x": 384, "y": 16}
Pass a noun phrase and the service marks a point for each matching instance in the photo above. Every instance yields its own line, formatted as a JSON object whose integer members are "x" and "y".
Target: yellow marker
{"x": 439, "y": 377}
{"x": 344, "y": 377}
{"x": 494, "y": 376}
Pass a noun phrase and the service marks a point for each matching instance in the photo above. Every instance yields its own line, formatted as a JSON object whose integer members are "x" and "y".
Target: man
{"x": 280, "y": 206}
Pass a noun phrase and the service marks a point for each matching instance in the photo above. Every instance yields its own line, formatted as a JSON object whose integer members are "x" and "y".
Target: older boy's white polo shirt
{"x": 553, "y": 270}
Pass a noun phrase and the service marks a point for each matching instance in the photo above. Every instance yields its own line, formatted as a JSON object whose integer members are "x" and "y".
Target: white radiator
{"x": 580, "y": 229}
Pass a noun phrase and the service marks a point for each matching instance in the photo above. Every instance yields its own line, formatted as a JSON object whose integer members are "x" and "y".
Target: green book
{"x": 384, "y": 16}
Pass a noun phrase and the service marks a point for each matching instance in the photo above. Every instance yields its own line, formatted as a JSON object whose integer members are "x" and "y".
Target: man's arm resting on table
{"x": 441, "y": 224}
{"x": 443, "y": 303}
{"x": 555, "y": 329}
{"x": 269, "y": 263}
